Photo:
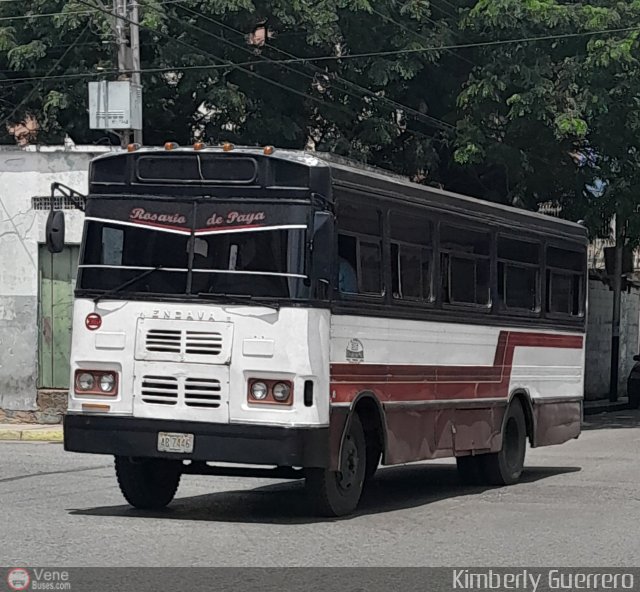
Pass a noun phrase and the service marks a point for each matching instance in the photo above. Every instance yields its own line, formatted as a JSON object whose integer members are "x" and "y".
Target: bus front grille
{"x": 206, "y": 343}
{"x": 191, "y": 392}
{"x": 160, "y": 390}
{"x": 184, "y": 341}
{"x": 196, "y": 343}
{"x": 164, "y": 341}
{"x": 202, "y": 392}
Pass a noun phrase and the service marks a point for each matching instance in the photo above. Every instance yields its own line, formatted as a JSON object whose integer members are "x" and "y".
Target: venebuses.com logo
{"x": 18, "y": 578}
{"x": 38, "y": 578}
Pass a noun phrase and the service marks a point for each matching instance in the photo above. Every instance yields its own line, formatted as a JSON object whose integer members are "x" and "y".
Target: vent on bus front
{"x": 163, "y": 341}
{"x": 203, "y": 343}
{"x": 160, "y": 390}
{"x": 202, "y": 392}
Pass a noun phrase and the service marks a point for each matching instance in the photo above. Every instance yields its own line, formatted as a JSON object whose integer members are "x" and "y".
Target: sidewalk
{"x": 30, "y": 432}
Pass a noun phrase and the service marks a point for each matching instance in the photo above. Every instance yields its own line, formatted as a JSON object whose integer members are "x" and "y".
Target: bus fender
{"x": 372, "y": 416}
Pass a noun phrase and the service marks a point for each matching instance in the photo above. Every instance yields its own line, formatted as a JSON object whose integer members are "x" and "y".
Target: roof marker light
{"x": 133, "y": 147}
{"x": 170, "y": 146}
{"x": 268, "y": 150}
{"x": 227, "y": 147}
{"x": 198, "y": 146}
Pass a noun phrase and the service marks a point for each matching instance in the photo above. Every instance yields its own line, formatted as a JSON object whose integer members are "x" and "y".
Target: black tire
{"x": 148, "y": 483}
{"x": 374, "y": 455}
{"x": 470, "y": 469}
{"x": 337, "y": 493}
{"x": 505, "y": 467}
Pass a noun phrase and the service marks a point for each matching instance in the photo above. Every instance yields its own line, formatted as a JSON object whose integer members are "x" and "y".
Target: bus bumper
{"x": 233, "y": 443}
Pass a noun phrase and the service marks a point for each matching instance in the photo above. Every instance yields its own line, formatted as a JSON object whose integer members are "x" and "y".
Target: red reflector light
{"x": 93, "y": 321}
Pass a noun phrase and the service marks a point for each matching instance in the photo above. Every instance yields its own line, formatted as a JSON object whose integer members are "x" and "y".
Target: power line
{"x": 33, "y": 90}
{"x": 455, "y": 8}
{"x": 46, "y": 15}
{"x": 304, "y": 60}
{"x": 361, "y": 89}
{"x": 419, "y": 35}
{"x": 91, "y": 10}
{"x": 226, "y": 62}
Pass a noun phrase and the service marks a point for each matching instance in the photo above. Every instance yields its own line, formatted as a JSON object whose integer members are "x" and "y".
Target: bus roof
{"x": 359, "y": 177}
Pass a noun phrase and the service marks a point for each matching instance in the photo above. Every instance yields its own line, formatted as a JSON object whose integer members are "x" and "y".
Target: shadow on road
{"x": 628, "y": 418}
{"x": 394, "y": 488}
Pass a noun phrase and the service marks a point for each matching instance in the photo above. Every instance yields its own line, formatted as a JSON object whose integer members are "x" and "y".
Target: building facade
{"x": 35, "y": 287}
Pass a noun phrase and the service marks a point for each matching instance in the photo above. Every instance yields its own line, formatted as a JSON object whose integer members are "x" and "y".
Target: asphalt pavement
{"x": 577, "y": 505}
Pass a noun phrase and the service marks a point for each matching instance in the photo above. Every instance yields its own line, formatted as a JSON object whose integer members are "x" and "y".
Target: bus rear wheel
{"x": 148, "y": 483}
{"x": 505, "y": 467}
{"x": 337, "y": 493}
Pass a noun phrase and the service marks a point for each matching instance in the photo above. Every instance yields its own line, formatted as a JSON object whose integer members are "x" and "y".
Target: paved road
{"x": 578, "y": 505}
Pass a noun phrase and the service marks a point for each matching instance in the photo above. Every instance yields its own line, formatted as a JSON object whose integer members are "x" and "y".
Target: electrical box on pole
{"x": 115, "y": 105}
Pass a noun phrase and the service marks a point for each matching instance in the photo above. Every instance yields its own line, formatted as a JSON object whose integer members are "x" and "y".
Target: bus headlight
{"x": 96, "y": 382}
{"x": 259, "y": 391}
{"x": 85, "y": 382}
{"x": 107, "y": 383}
{"x": 281, "y": 391}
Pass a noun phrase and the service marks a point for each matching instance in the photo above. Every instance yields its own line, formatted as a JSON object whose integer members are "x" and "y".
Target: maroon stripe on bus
{"x": 398, "y": 382}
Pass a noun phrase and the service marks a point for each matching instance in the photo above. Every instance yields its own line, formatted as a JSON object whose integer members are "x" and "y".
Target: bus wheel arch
{"x": 369, "y": 410}
{"x": 505, "y": 466}
{"x": 527, "y": 406}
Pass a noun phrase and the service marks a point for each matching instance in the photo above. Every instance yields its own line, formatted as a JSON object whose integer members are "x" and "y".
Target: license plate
{"x": 174, "y": 442}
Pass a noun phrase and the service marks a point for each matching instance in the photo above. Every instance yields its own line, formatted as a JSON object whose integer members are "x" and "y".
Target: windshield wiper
{"x": 126, "y": 284}
{"x": 238, "y": 299}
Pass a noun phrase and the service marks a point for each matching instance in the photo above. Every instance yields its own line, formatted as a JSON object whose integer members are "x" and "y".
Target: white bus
{"x": 318, "y": 318}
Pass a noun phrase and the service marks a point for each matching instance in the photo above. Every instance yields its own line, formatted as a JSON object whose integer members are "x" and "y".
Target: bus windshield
{"x": 259, "y": 260}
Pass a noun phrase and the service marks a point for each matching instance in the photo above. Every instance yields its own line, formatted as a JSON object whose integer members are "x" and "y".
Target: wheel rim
{"x": 348, "y": 474}
{"x": 512, "y": 444}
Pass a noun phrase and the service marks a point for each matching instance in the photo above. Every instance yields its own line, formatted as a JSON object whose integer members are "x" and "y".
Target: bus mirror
{"x": 55, "y": 231}
{"x": 322, "y": 245}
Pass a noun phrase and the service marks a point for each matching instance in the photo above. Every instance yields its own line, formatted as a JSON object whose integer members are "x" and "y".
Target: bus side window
{"x": 518, "y": 274}
{"x": 370, "y": 268}
{"x": 465, "y": 266}
{"x": 411, "y": 256}
{"x": 347, "y": 264}
{"x": 359, "y": 249}
{"x": 565, "y": 281}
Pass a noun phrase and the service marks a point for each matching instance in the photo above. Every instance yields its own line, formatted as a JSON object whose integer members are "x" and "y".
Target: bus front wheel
{"x": 337, "y": 493}
{"x": 148, "y": 483}
{"x": 505, "y": 466}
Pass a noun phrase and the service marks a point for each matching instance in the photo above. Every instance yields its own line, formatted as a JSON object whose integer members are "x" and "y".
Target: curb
{"x": 606, "y": 407}
{"x": 31, "y": 435}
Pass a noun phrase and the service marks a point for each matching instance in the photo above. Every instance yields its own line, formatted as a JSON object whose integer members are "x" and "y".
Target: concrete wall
{"x": 26, "y": 173}
{"x": 598, "y": 362}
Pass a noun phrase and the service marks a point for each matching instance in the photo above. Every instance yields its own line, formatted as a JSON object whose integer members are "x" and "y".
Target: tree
{"x": 383, "y": 108}
{"x": 536, "y": 104}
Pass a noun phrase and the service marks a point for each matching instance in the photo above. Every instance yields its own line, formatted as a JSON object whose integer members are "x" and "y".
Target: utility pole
{"x": 116, "y": 105}
{"x": 615, "y": 320}
{"x": 127, "y": 12}
{"x": 135, "y": 56}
